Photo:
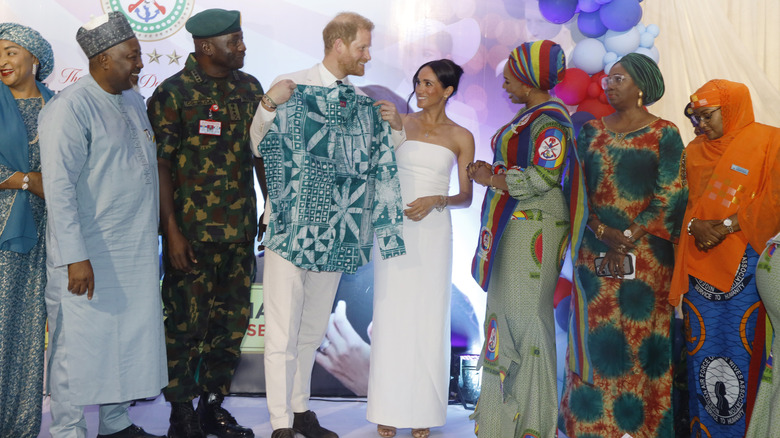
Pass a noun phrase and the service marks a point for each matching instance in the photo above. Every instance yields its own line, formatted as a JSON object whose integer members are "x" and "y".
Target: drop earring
{"x": 35, "y": 70}
{"x": 639, "y": 101}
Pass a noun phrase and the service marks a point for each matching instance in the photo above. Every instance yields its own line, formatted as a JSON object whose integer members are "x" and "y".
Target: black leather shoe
{"x": 184, "y": 422}
{"x": 216, "y": 420}
{"x": 306, "y": 424}
{"x": 131, "y": 431}
{"x": 283, "y": 433}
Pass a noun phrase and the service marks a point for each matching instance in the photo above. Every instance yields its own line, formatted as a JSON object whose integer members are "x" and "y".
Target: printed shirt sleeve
{"x": 164, "y": 112}
{"x": 664, "y": 214}
{"x": 546, "y": 168}
{"x": 387, "y": 211}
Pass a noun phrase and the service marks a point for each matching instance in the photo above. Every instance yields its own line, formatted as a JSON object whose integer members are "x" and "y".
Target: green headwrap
{"x": 646, "y": 75}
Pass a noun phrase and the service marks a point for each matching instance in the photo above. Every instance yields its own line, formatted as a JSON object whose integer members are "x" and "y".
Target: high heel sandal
{"x": 421, "y": 433}
{"x": 385, "y": 431}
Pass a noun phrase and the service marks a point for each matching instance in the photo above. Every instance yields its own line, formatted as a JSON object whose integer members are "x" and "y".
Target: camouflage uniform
{"x": 214, "y": 202}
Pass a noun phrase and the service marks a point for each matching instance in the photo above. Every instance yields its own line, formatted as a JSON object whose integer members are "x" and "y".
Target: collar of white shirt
{"x": 328, "y": 79}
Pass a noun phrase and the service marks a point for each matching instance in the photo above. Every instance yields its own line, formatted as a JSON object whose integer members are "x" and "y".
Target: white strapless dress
{"x": 410, "y": 344}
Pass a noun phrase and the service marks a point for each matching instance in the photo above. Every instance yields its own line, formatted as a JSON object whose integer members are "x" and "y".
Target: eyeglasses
{"x": 705, "y": 117}
{"x": 615, "y": 79}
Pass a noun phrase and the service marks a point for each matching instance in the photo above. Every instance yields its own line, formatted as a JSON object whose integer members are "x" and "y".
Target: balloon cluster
{"x": 609, "y": 29}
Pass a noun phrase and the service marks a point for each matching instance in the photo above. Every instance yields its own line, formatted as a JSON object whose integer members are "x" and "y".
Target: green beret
{"x": 213, "y": 22}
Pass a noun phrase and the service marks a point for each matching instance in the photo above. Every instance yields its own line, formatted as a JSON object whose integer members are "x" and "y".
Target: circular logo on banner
{"x": 152, "y": 20}
{"x": 722, "y": 389}
{"x": 485, "y": 239}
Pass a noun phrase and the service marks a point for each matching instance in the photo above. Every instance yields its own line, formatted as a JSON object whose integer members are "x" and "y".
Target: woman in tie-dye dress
{"x": 619, "y": 374}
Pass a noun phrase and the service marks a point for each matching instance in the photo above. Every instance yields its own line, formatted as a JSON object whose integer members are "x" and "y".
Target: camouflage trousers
{"x": 207, "y": 313}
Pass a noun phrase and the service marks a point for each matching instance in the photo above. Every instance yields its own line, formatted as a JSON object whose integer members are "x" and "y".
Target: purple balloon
{"x": 621, "y": 15}
{"x": 589, "y": 5}
{"x": 589, "y": 23}
{"x": 558, "y": 11}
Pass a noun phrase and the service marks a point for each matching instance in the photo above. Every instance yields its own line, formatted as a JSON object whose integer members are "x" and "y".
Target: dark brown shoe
{"x": 306, "y": 424}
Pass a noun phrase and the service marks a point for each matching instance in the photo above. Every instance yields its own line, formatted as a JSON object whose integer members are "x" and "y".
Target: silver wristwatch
{"x": 728, "y": 224}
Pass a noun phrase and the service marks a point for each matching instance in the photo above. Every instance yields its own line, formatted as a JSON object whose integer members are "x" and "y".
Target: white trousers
{"x": 297, "y": 306}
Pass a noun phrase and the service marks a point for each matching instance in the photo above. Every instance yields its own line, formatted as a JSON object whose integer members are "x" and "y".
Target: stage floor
{"x": 345, "y": 416}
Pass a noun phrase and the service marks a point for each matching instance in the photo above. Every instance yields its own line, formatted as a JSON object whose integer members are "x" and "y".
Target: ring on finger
{"x": 325, "y": 344}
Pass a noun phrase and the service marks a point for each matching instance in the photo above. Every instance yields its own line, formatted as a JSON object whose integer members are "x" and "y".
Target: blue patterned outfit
{"x": 22, "y": 283}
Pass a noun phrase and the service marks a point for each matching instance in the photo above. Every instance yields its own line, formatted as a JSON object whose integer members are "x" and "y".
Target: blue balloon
{"x": 589, "y": 23}
{"x": 589, "y": 5}
{"x": 588, "y": 55}
{"x": 653, "y": 30}
{"x": 558, "y": 11}
{"x": 621, "y": 15}
{"x": 578, "y": 119}
{"x": 622, "y": 42}
{"x": 562, "y": 313}
{"x": 646, "y": 40}
{"x": 651, "y": 52}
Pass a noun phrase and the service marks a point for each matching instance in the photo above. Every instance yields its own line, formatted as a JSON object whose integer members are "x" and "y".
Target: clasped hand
{"x": 480, "y": 172}
{"x": 708, "y": 233}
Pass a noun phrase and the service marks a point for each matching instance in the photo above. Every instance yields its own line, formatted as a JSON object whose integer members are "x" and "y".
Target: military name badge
{"x": 549, "y": 148}
{"x": 152, "y": 20}
{"x": 210, "y": 127}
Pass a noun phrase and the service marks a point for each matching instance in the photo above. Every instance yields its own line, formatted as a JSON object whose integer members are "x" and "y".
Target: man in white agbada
{"x": 102, "y": 297}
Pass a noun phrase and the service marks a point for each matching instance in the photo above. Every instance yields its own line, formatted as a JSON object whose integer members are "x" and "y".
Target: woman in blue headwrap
{"x": 25, "y": 59}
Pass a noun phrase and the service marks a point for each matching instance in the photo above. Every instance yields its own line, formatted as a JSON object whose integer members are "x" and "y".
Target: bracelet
{"x": 25, "y": 182}
{"x": 269, "y": 102}
{"x": 600, "y": 230}
{"x": 491, "y": 182}
{"x": 689, "y": 226}
{"x": 445, "y": 200}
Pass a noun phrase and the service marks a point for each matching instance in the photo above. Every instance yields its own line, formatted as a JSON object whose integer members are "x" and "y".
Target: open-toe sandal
{"x": 421, "y": 433}
{"x": 386, "y": 431}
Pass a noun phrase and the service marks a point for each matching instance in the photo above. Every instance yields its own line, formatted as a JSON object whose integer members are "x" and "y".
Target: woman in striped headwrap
{"x": 525, "y": 229}
{"x": 619, "y": 374}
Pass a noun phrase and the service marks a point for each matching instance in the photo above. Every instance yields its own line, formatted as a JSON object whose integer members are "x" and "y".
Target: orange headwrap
{"x": 727, "y": 175}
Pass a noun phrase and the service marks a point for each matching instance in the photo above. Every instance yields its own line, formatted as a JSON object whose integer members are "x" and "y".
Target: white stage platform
{"x": 345, "y": 416}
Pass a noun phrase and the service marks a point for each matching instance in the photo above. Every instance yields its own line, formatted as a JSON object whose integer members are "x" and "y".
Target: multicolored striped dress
{"x": 518, "y": 260}
{"x": 623, "y": 382}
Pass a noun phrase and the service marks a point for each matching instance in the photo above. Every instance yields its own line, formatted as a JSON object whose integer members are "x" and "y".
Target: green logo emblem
{"x": 152, "y": 20}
